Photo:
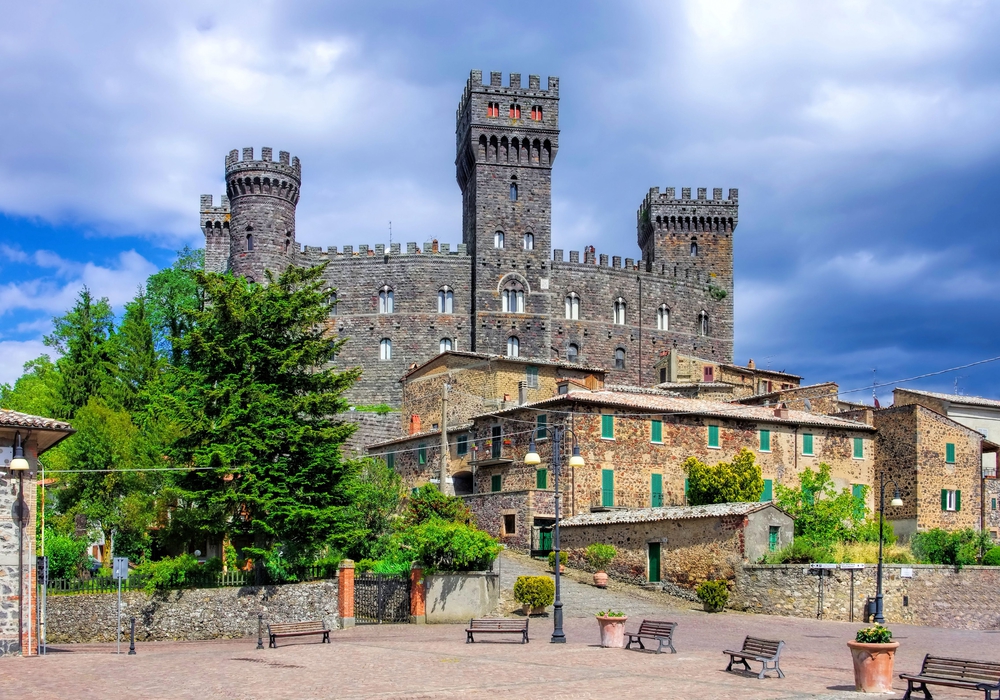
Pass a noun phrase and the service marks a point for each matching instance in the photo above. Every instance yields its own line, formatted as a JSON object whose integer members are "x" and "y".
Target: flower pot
{"x": 712, "y": 608}
{"x": 562, "y": 569}
{"x": 873, "y": 666}
{"x": 601, "y": 579}
{"x": 612, "y": 632}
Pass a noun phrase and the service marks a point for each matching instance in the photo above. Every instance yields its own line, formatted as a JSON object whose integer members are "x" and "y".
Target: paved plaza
{"x": 433, "y": 661}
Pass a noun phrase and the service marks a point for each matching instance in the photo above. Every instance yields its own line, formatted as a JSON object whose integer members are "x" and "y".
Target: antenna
{"x": 390, "y": 234}
{"x": 874, "y": 384}
{"x": 957, "y": 390}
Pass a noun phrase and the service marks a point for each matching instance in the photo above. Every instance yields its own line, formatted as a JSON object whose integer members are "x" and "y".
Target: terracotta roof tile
{"x": 14, "y": 419}
{"x": 646, "y": 515}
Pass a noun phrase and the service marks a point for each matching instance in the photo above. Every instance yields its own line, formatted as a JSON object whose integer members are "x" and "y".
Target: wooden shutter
{"x": 765, "y": 440}
{"x": 958, "y": 500}
{"x": 949, "y": 453}
{"x": 859, "y": 448}
{"x": 807, "y": 444}
{"x": 607, "y": 488}
{"x": 713, "y": 436}
{"x": 944, "y": 499}
{"x": 656, "y": 431}
{"x": 496, "y": 482}
{"x": 542, "y": 427}
{"x": 542, "y": 479}
{"x": 608, "y": 426}
{"x": 656, "y": 488}
{"x": 768, "y": 493}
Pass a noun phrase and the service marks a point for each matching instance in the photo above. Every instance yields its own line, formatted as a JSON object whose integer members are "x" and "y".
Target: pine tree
{"x": 172, "y": 297}
{"x": 136, "y": 365}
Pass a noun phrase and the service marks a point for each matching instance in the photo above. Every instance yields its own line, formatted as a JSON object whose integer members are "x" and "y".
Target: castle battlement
{"x": 316, "y": 254}
{"x": 682, "y": 270}
{"x": 512, "y": 89}
{"x": 291, "y": 167}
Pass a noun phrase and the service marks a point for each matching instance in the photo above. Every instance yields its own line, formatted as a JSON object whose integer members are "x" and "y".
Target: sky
{"x": 864, "y": 138}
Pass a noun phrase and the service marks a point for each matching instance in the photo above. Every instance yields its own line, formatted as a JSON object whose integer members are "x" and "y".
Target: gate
{"x": 381, "y": 598}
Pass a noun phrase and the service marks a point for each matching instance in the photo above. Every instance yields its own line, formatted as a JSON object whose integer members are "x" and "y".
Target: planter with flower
{"x": 713, "y": 595}
{"x": 534, "y": 593}
{"x": 612, "y": 624}
{"x": 599, "y": 556}
{"x": 873, "y": 652}
{"x": 563, "y": 558}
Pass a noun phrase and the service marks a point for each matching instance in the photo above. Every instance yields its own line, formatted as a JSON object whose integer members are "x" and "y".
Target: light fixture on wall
{"x": 19, "y": 463}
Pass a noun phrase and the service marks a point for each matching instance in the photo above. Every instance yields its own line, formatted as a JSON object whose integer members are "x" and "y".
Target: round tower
{"x": 262, "y": 198}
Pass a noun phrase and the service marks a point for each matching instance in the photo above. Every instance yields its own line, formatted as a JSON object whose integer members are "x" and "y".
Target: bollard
{"x": 131, "y": 643}
{"x": 260, "y": 630}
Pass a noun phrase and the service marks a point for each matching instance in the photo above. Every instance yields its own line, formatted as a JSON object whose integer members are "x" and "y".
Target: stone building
{"x": 17, "y": 527}
{"x": 698, "y": 377}
{"x": 680, "y": 545}
{"x": 504, "y": 290}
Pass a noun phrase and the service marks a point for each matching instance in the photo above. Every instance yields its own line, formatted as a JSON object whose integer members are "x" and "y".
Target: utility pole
{"x": 445, "y": 487}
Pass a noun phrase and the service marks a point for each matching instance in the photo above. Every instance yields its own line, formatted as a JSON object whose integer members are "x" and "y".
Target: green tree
{"x": 737, "y": 481}
{"x": 428, "y": 503}
{"x": 376, "y": 496}
{"x": 823, "y": 514}
{"x": 256, "y": 401}
{"x": 67, "y": 554}
{"x": 36, "y": 391}
{"x": 959, "y": 548}
{"x": 173, "y": 297}
{"x": 135, "y": 364}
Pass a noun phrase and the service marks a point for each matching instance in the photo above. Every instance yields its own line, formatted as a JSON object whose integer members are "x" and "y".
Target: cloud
{"x": 15, "y": 353}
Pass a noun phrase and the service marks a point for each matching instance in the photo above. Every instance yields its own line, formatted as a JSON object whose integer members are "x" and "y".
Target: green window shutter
{"x": 656, "y": 488}
{"x": 413, "y": 491}
{"x": 768, "y": 493}
{"x": 656, "y": 431}
{"x": 765, "y": 440}
{"x": 541, "y": 427}
{"x": 542, "y": 479}
{"x": 713, "y": 436}
{"x": 994, "y": 504}
{"x": 608, "y": 426}
{"x": 958, "y": 500}
{"x": 607, "y": 488}
{"x": 807, "y": 443}
{"x": 772, "y": 537}
{"x": 858, "y": 491}
{"x": 532, "y": 377}
{"x": 422, "y": 454}
{"x": 949, "y": 453}
{"x": 687, "y": 487}
{"x": 390, "y": 460}
{"x": 944, "y": 499}
{"x": 463, "y": 445}
{"x": 496, "y": 482}
{"x": 859, "y": 448}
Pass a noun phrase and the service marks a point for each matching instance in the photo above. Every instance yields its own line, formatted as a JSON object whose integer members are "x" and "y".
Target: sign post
{"x": 120, "y": 573}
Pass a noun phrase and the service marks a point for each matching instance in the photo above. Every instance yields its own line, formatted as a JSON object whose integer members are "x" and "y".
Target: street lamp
{"x": 532, "y": 459}
{"x": 896, "y": 502}
{"x": 20, "y": 465}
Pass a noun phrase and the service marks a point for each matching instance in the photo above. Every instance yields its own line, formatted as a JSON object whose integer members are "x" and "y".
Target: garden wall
{"x": 940, "y": 596}
{"x": 460, "y": 597}
{"x": 198, "y": 613}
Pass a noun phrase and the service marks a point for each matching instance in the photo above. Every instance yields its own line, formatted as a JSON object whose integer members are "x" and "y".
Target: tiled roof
{"x": 779, "y": 392}
{"x": 958, "y": 398}
{"x": 504, "y": 358}
{"x": 759, "y": 370}
{"x": 647, "y": 515}
{"x": 417, "y": 436}
{"x": 14, "y": 419}
{"x": 654, "y": 401}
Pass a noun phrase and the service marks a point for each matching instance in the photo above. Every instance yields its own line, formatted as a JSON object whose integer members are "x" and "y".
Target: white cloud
{"x": 13, "y": 355}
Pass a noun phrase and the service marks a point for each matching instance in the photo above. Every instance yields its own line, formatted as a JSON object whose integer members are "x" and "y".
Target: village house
{"x": 698, "y": 377}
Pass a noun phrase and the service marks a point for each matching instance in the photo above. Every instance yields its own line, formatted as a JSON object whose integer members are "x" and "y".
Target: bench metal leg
{"x": 910, "y": 687}
{"x": 468, "y": 638}
{"x": 666, "y": 643}
{"x": 272, "y": 642}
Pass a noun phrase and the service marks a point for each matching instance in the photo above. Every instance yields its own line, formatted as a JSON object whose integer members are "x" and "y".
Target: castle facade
{"x": 504, "y": 290}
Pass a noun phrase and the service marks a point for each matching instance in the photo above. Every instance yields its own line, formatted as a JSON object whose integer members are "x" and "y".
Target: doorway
{"x": 654, "y": 562}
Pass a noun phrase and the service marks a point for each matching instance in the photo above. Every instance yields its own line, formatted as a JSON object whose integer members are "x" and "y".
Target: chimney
{"x": 781, "y": 411}
{"x": 414, "y": 424}
{"x": 522, "y": 393}
{"x": 750, "y": 364}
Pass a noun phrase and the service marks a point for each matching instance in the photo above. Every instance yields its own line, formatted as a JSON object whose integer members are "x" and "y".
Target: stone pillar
{"x": 345, "y": 593}
{"x": 418, "y": 595}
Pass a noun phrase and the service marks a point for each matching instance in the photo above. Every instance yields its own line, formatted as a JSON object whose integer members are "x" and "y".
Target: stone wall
{"x": 201, "y": 613}
{"x": 939, "y": 596}
{"x": 372, "y": 428}
{"x": 9, "y": 552}
{"x": 489, "y": 510}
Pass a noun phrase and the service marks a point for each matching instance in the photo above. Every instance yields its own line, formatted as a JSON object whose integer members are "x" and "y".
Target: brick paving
{"x": 433, "y": 661}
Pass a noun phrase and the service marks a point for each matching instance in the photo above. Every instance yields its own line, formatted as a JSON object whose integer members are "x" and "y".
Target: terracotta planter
{"x": 873, "y": 666}
{"x": 612, "y": 632}
{"x": 601, "y": 579}
{"x": 528, "y": 610}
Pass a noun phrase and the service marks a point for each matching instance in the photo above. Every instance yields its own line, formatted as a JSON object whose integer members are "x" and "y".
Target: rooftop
{"x": 47, "y": 431}
{"x": 503, "y": 358}
{"x": 957, "y": 398}
{"x": 647, "y": 515}
{"x": 418, "y": 436}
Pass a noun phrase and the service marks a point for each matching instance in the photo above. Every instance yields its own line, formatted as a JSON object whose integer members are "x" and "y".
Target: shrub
{"x": 430, "y": 504}
{"x": 726, "y": 482}
{"x": 801, "y": 551}
{"x": 959, "y": 548}
{"x": 992, "y": 557}
{"x": 534, "y": 591}
{"x": 563, "y": 558}
{"x": 823, "y": 514}
{"x": 67, "y": 555}
{"x": 598, "y": 555}
{"x": 171, "y": 572}
{"x": 448, "y": 546}
{"x": 876, "y": 634}
{"x": 714, "y": 594}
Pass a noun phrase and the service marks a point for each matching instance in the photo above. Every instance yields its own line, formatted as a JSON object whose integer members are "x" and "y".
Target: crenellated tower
{"x": 262, "y": 196}
{"x": 215, "y": 226}
{"x": 507, "y": 137}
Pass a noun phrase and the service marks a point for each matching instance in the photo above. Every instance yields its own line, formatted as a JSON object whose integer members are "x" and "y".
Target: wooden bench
{"x": 296, "y": 629}
{"x": 661, "y": 631}
{"x": 766, "y": 651}
{"x": 496, "y": 626}
{"x": 956, "y": 673}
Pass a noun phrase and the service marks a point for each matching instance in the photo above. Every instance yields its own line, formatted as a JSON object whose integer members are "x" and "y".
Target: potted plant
{"x": 874, "y": 653}
{"x": 612, "y": 624}
{"x": 563, "y": 558}
{"x": 534, "y": 593}
{"x": 713, "y": 595}
{"x": 599, "y": 556}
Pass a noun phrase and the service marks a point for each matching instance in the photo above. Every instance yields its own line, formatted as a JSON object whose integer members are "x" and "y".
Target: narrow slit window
{"x": 513, "y": 346}
{"x": 385, "y": 349}
{"x": 513, "y": 191}
{"x": 663, "y": 318}
{"x": 529, "y": 241}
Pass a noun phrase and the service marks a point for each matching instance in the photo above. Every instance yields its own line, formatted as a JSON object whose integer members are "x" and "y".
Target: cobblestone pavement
{"x": 433, "y": 661}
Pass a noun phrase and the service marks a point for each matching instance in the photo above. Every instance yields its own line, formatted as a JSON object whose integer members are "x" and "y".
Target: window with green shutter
{"x": 951, "y": 500}
{"x": 772, "y": 537}
{"x": 858, "y": 491}
{"x": 994, "y": 504}
{"x": 807, "y": 444}
{"x": 542, "y": 479}
{"x": 949, "y": 453}
{"x": 687, "y": 487}
{"x": 532, "y": 377}
{"x": 768, "y": 493}
{"x": 541, "y": 427}
{"x": 496, "y": 482}
{"x": 765, "y": 440}
{"x": 859, "y": 448}
{"x": 656, "y": 431}
{"x": 608, "y": 426}
{"x": 390, "y": 460}
{"x": 462, "y": 445}
{"x": 713, "y": 436}
{"x": 656, "y": 489}
{"x": 422, "y": 454}
{"x": 607, "y": 488}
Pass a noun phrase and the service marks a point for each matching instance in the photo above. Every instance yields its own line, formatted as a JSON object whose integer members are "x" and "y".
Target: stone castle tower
{"x": 504, "y": 290}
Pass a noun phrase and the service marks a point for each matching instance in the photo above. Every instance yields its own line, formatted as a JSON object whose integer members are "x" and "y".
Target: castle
{"x": 504, "y": 290}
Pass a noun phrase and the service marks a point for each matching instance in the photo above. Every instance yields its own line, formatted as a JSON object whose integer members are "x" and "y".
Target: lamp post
{"x": 896, "y": 502}
{"x": 532, "y": 459}
{"x": 20, "y": 465}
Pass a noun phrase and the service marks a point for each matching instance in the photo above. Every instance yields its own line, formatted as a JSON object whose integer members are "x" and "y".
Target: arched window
{"x": 498, "y": 239}
{"x": 445, "y": 344}
{"x": 515, "y": 111}
{"x": 703, "y": 323}
{"x": 572, "y": 352}
{"x": 249, "y": 242}
{"x": 513, "y": 346}
{"x": 446, "y": 301}
{"x": 694, "y": 247}
{"x": 513, "y": 191}
{"x": 619, "y": 312}
{"x": 529, "y": 241}
{"x": 385, "y": 349}
{"x": 620, "y": 358}
{"x": 493, "y": 109}
{"x": 573, "y": 306}
{"x": 536, "y": 113}
{"x": 332, "y": 302}
{"x": 512, "y": 297}
{"x": 663, "y": 318}
{"x": 385, "y": 300}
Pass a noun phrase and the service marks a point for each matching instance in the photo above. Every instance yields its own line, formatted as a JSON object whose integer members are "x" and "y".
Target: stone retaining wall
{"x": 939, "y": 596}
{"x": 200, "y": 613}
